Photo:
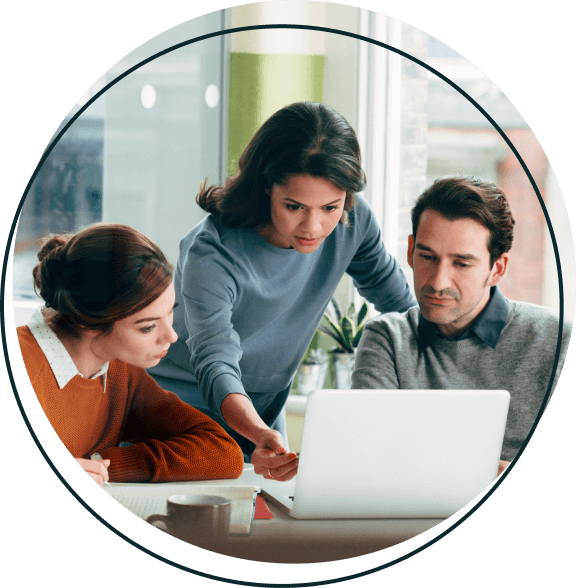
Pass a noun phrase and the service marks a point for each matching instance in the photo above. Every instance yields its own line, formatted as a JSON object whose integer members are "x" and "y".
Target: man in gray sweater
{"x": 465, "y": 334}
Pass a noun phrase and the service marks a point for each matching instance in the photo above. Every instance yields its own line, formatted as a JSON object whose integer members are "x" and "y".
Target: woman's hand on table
{"x": 271, "y": 460}
{"x": 95, "y": 468}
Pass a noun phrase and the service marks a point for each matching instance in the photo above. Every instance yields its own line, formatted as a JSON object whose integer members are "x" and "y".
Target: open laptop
{"x": 394, "y": 453}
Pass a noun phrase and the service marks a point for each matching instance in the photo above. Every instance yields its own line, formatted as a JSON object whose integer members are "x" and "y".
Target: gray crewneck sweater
{"x": 521, "y": 362}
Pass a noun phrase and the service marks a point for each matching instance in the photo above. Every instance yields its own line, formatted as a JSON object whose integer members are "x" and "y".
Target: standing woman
{"x": 254, "y": 277}
{"x": 109, "y": 299}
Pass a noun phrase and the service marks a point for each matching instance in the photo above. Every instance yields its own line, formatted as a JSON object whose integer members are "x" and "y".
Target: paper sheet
{"x": 147, "y": 499}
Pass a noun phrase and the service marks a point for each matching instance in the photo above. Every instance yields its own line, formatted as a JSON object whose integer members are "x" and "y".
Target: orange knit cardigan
{"x": 171, "y": 441}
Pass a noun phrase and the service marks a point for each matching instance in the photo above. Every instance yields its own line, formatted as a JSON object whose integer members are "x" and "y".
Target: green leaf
{"x": 345, "y": 330}
{"x": 329, "y": 332}
{"x": 333, "y": 325}
{"x": 357, "y": 338}
{"x": 362, "y": 314}
{"x": 351, "y": 310}
{"x": 348, "y": 332}
{"x": 331, "y": 312}
{"x": 337, "y": 308}
{"x": 335, "y": 337}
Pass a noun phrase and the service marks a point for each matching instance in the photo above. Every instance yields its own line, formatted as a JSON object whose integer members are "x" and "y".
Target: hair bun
{"x": 48, "y": 273}
{"x": 52, "y": 247}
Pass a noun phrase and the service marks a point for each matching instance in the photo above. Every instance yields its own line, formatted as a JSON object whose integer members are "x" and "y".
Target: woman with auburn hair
{"x": 254, "y": 277}
{"x": 109, "y": 302}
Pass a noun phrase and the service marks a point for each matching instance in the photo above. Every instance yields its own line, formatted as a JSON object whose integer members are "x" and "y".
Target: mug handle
{"x": 160, "y": 518}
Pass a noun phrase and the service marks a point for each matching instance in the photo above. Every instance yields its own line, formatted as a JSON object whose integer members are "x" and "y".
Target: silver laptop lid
{"x": 397, "y": 453}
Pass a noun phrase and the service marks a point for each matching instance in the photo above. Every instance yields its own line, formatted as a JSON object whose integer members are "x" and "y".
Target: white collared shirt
{"x": 63, "y": 368}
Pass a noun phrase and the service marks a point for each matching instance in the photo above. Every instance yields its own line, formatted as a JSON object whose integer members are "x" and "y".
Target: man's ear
{"x": 410, "y": 253}
{"x": 499, "y": 269}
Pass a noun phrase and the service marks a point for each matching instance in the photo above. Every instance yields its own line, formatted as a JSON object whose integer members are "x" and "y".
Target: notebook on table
{"x": 394, "y": 453}
{"x": 147, "y": 499}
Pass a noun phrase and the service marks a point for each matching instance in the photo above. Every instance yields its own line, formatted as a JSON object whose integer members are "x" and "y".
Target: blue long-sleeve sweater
{"x": 247, "y": 310}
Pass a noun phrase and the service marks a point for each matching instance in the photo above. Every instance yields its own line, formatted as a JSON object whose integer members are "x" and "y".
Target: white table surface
{"x": 287, "y": 540}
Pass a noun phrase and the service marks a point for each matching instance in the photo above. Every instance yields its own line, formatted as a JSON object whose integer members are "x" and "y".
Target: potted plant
{"x": 345, "y": 330}
{"x": 312, "y": 371}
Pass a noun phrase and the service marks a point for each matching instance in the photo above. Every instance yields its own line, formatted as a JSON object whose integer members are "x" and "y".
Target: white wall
{"x": 24, "y": 309}
{"x": 556, "y": 208}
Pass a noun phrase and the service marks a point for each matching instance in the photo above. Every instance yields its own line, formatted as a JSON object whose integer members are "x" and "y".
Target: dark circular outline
{"x": 360, "y": 38}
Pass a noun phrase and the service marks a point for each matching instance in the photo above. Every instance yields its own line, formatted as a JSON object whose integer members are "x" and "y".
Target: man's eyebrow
{"x": 466, "y": 256}
{"x": 153, "y": 318}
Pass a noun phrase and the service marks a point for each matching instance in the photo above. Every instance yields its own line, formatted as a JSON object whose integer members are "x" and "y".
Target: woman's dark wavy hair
{"x": 98, "y": 276}
{"x": 305, "y": 138}
{"x": 469, "y": 197}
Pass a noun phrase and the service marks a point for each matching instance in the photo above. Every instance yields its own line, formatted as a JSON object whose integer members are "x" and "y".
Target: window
{"x": 136, "y": 155}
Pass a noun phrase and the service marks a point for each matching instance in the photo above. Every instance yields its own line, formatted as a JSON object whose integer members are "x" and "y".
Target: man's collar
{"x": 488, "y": 326}
{"x": 62, "y": 365}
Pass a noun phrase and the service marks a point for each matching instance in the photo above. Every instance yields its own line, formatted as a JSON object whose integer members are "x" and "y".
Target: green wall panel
{"x": 261, "y": 84}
